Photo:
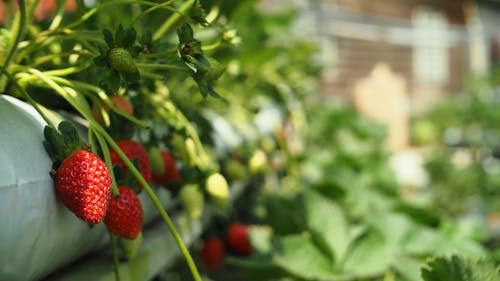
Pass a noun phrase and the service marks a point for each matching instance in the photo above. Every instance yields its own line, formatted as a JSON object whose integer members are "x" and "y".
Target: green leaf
{"x": 70, "y": 135}
{"x": 108, "y": 37}
{"x": 327, "y": 222}
{"x": 408, "y": 267}
{"x": 54, "y": 144}
{"x": 369, "y": 256}
{"x": 459, "y": 269}
{"x": 129, "y": 36}
{"x": 394, "y": 227}
{"x": 425, "y": 240}
{"x": 185, "y": 33}
{"x": 298, "y": 255}
{"x": 119, "y": 34}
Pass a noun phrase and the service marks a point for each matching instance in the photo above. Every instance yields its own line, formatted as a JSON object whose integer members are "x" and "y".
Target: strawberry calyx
{"x": 62, "y": 142}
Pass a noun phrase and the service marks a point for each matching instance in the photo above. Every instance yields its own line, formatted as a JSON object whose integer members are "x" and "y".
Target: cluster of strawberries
{"x": 83, "y": 181}
{"x": 237, "y": 241}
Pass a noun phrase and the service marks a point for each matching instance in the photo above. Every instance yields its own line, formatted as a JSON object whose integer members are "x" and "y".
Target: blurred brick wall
{"x": 357, "y": 57}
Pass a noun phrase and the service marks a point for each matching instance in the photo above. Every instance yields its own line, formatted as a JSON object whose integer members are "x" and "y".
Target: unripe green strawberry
{"x": 124, "y": 216}
{"x": 192, "y": 200}
{"x": 121, "y": 60}
{"x": 131, "y": 246}
{"x": 156, "y": 159}
{"x": 216, "y": 69}
{"x": 218, "y": 189}
{"x": 235, "y": 170}
{"x": 83, "y": 184}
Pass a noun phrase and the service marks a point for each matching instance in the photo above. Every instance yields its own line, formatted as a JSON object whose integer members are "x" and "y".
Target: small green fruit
{"x": 121, "y": 60}
{"x": 157, "y": 164}
{"x": 235, "y": 170}
{"x": 192, "y": 200}
{"x": 130, "y": 247}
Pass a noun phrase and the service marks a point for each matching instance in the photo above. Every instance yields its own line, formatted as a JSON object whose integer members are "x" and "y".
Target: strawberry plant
{"x": 215, "y": 104}
{"x": 119, "y": 77}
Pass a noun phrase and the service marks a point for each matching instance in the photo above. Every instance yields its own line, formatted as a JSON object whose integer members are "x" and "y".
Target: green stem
{"x": 166, "y": 53}
{"x": 116, "y": 263}
{"x": 46, "y": 58}
{"x": 152, "y": 9}
{"x": 211, "y": 47}
{"x": 59, "y": 15}
{"x": 67, "y": 71}
{"x": 88, "y": 87}
{"x": 173, "y": 19}
{"x": 20, "y": 32}
{"x": 162, "y": 66}
{"x": 93, "y": 11}
{"x": 49, "y": 36}
{"x": 107, "y": 159}
{"x": 31, "y": 10}
{"x": 102, "y": 95}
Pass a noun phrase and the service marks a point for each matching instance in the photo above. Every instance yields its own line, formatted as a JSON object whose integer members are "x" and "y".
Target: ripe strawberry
{"x": 212, "y": 253}
{"x": 238, "y": 240}
{"x": 133, "y": 150}
{"x": 121, "y": 60}
{"x": 124, "y": 217}
{"x": 83, "y": 184}
{"x": 170, "y": 173}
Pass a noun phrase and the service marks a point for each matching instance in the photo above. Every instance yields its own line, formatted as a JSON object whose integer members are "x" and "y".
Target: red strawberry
{"x": 238, "y": 240}
{"x": 170, "y": 173}
{"x": 125, "y": 215}
{"x": 212, "y": 253}
{"x": 83, "y": 184}
{"x": 133, "y": 150}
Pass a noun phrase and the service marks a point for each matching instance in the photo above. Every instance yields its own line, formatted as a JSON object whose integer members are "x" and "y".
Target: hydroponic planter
{"x": 38, "y": 234}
